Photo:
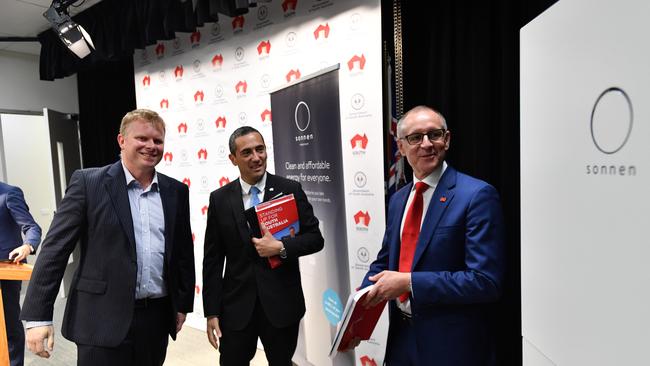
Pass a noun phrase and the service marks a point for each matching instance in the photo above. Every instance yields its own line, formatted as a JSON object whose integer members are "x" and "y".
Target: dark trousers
{"x": 145, "y": 343}
{"x": 401, "y": 349}
{"x": 238, "y": 347}
{"x": 15, "y": 331}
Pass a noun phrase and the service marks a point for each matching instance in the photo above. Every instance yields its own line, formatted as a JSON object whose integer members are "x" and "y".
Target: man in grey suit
{"x": 135, "y": 280}
{"x": 19, "y": 237}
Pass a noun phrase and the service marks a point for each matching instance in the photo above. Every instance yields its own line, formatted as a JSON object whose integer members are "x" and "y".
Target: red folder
{"x": 280, "y": 216}
{"x": 358, "y": 321}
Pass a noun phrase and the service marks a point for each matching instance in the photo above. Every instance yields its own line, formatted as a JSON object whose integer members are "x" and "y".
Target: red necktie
{"x": 411, "y": 231}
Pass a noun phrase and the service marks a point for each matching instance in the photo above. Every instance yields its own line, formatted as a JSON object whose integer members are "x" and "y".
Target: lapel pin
{"x": 271, "y": 189}
{"x": 443, "y": 199}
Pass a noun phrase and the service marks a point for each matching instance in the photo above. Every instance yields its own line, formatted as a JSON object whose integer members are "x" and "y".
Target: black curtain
{"x": 106, "y": 93}
{"x": 462, "y": 58}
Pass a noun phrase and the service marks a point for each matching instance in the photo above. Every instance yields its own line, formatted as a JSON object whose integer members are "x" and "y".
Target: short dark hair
{"x": 241, "y": 131}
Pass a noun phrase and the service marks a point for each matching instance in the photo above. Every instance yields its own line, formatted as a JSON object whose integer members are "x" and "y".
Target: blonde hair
{"x": 142, "y": 114}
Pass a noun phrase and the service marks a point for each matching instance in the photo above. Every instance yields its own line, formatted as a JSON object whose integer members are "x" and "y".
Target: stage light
{"x": 71, "y": 34}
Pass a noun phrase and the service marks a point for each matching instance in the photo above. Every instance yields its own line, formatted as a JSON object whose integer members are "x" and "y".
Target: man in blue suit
{"x": 442, "y": 258}
{"x": 19, "y": 237}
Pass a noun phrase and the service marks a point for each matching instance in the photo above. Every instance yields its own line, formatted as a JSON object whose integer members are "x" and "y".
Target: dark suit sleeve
{"x": 213, "y": 260}
{"x": 20, "y": 213}
{"x": 185, "y": 255}
{"x": 61, "y": 239}
{"x": 309, "y": 240}
{"x": 480, "y": 280}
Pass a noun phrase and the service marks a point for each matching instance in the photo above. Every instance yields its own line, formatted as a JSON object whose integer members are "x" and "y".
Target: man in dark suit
{"x": 19, "y": 237}
{"x": 442, "y": 258}
{"x": 135, "y": 280}
{"x": 251, "y": 299}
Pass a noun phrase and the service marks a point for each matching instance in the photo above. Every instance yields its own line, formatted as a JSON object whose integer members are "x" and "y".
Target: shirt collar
{"x": 130, "y": 179}
{"x": 246, "y": 188}
{"x": 432, "y": 179}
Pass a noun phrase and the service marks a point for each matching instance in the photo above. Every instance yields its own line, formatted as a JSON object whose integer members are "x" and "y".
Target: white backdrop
{"x": 208, "y": 83}
{"x": 585, "y": 155}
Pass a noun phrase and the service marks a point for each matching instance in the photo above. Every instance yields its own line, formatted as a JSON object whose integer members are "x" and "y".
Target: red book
{"x": 280, "y": 216}
{"x": 358, "y": 321}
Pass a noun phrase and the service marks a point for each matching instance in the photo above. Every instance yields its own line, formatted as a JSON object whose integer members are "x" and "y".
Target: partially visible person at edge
{"x": 19, "y": 237}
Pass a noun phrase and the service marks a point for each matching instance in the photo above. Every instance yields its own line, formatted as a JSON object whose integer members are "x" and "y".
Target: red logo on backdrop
{"x": 197, "y": 289}
{"x": 221, "y": 120}
{"x": 195, "y": 37}
{"x": 178, "y": 71}
{"x": 359, "y": 141}
{"x": 164, "y": 103}
{"x": 367, "y": 361}
{"x": 160, "y": 50}
{"x": 241, "y": 87}
{"x": 362, "y": 218}
{"x": 193, "y": 237}
{"x": 202, "y": 154}
{"x": 289, "y": 5}
{"x": 266, "y": 114}
{"x": 217, "y": 60}
{"x": 168, "y": 156}
{"x": 204, "y": 210}
{"x": 182, "y": 127}
{"x": 198, "y": 96}
{"x": 146, "y": 80}
{"x": 360, "y": 60}
{"x": 187, "y": 182}
{"x": 223, "y": 181}
{"x": 264, "y": 47}
{"x": 238, "y": 22}
{"x": 293, "y": 74}
{"x": 322, "y": 29}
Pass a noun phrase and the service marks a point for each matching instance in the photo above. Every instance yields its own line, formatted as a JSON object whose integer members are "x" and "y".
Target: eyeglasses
{"x": 433, "y": 135}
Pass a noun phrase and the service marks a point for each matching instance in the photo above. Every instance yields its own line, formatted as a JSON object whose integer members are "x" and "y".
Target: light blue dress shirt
{"x": 149, "y": 229}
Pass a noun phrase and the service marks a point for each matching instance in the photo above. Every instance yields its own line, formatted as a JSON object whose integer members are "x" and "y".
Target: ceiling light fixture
{"x": 71, "y": 34}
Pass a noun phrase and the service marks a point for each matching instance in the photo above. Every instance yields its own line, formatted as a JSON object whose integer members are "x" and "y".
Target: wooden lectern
{"x": 17, "y": 272}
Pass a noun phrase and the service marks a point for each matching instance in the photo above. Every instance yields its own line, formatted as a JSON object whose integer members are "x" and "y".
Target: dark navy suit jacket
{"x": 457, "y": 268}
{"x": 95, "y": 214}
{"x": 15, "y": 221}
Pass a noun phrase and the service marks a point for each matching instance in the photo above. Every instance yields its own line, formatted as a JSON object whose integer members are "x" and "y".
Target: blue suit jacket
{"x": 458, "y": 268}
{"x": 15, "y": 220}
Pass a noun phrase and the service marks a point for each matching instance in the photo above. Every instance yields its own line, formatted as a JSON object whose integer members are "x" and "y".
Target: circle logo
{"x": 290, "y": 39}
{"x": 302, "y": 116}
{"x": 243, "y": 118}
{"x": 611, "y": 120}
{"x": 216, "y": 29}
{"x": 265, "y": 81}
{"x": 357, "y": 101}
{"x": 218, "y": 91}
{"x": 239, "y": 53}
{"x": 197, "y": 66}
{"x": 262, "y": 12}
{"x": 360, "y": 179}
{"x": 363, "y": 255}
